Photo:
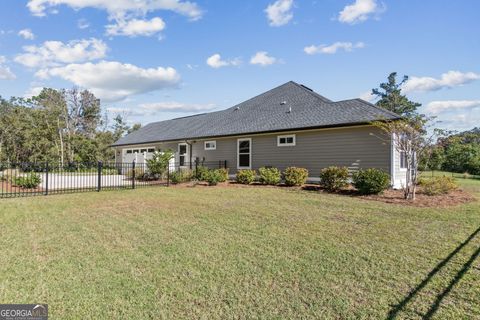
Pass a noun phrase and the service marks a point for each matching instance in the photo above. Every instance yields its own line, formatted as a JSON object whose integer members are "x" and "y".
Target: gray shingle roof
{"x": 263, "y": 113}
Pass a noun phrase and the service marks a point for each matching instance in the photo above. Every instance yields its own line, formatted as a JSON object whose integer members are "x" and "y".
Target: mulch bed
{"x": 454, "y": 198}
{"x": 6, "y": 188}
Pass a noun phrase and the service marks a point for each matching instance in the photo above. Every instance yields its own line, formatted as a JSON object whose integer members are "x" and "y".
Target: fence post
{"x": 99, "y": 184}
{"x": 225, "y": 164}
{"x": 46, "y": 179}
{"x": 168, "y": 175}
{"x": 133, "y": 175}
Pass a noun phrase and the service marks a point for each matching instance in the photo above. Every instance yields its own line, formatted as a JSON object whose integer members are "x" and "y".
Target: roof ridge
{"x": 378, "y": 108}
{"x": 261, "y": 94}
{"x": 312, "y": 92}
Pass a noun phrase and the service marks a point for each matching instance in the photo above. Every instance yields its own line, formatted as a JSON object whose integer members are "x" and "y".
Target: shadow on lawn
{"x": 436, "y": 304}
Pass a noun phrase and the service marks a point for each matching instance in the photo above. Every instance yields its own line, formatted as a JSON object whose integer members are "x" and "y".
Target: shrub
{"x": 295, "y": 176}
{"x": 181, "y": 176}
{"x": 271, "y": 176}
{"x": 29, "y": 181}
{"x": 223, "y": 174}
{"x": 201, "y": 173}
{"x": 438, "y": 185}
{"x": 334, "y": 178}
{"x": 246, "y": 176}
{"x": 158, "y": 164}
{"x": 213, "y": 177}
{"x": 371, "y": 181}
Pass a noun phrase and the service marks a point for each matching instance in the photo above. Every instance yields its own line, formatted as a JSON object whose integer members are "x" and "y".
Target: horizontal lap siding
{"x": 354, "y": 148}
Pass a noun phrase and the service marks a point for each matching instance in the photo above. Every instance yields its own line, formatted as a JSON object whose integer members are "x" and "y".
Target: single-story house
{"x": 290, "y": 125}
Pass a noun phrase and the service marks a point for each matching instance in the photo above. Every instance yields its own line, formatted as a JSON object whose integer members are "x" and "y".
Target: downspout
{"x": 189, "y": 153}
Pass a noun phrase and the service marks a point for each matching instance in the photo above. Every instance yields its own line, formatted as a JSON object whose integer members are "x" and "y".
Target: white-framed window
{"x": 210, "y": 145}
{"x": 244, "y": 153}
{"x": 287, "y": 140}
{"x": 403, "y": 160}
{"x": 182, "y": 154}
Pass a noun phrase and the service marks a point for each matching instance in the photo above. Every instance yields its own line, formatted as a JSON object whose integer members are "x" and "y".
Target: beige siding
{"x": 355, "y": 148}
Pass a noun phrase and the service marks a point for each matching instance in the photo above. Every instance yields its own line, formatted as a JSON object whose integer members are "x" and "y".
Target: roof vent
{"x": 289, "y": 110}
{"x": 237, "y": 108}
{"x": 283, "y": 103}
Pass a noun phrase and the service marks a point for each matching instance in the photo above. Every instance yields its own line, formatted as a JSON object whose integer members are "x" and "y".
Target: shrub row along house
{"x": 289, "y": 125}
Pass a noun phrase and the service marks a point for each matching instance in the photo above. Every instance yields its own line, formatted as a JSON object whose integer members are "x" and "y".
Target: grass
{"x": 213, "y": 252}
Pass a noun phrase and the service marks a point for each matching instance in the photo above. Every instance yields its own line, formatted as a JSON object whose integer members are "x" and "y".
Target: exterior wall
{"x": 399, "y": 175}
{"x": 353, "y": 147}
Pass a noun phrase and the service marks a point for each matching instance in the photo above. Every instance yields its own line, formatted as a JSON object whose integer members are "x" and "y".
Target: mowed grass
{"x": 259, "y": 252}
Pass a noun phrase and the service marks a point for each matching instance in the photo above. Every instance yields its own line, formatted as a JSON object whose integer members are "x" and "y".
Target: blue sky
{"x": 158, "y": 59}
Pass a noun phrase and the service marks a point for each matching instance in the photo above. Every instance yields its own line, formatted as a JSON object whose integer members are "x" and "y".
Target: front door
{"x": 182, "y": 154}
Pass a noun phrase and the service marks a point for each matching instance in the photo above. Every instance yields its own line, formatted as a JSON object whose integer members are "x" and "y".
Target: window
{"x": 129, "y": 151}
{"x": 135, "y": 151}
{"x": 244, "y": 153}
{"x": 286, "y": 141}
{"x": 210, "y": 145}
{"x": 143, "y": 150}
{"x": 151, "y": 150}
{"x": 403, "y": 160}
{"x": 182, "y": 154}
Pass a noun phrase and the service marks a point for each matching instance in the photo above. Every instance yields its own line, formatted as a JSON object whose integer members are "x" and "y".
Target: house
{"x": 290, "y": 125}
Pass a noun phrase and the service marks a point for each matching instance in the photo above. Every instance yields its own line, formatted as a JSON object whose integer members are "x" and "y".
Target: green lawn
{"x": 213, "y": 252}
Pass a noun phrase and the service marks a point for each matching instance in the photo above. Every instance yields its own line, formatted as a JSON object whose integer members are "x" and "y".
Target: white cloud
{"x": 437, "y": 107}
{"x": 368, "y": 96}
{"x": 447, "y": 80}
{"x": 263, "y": 59}
{"x": 5, "y": 73}
{"x": 26, "y": 34}
{"x": 135, "y": 27}
{"x": 54, "y": 53}
{"x": 359, "y": 11}
{"x": 83, "y": 24}
{"x": 333, "y": 48}
{"x": 215, "y": 61}
{"x": 32, "y": 91}
{"x": 113, "y": 81}
{"x": 120, "y": 8}
{"x": 279, "y": 13}
{"x": 173, "y": 106}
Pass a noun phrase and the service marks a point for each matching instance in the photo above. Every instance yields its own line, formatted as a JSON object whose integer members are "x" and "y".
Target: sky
{"x": 152, "y": 60}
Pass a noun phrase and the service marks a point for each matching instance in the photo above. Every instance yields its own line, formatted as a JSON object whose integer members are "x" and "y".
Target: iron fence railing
{"x": 32, "y": 179}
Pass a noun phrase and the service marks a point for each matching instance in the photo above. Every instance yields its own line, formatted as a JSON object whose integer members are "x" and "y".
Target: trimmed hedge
{"x": 334, "y": 178}
{"x": 371, "y": 181}
{"x": 438, "y": 185}
{"x": 271, "y": 176}
{"x": 246, "y": 176}
{"x": 295, "y": 176}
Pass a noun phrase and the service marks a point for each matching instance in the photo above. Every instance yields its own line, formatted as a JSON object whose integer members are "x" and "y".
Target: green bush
{"x": 223, "y": 174}
{"x": 213, "y": 177}
{"x": 295, "y": 176}
{"x": 371, "y": 181}
{"x": 181, "y": 176}
{"x": 334, "y": 178}
{"x": 246, "y": 176}
{"x": 159, "y": 162}
{"x": 201, "y": 173}
{"x": 29, "y": 181}
{"x": 438, "y": 185}
{"x": 271, "y": 176}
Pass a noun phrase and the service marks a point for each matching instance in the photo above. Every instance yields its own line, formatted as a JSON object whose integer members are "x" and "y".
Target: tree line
{"x": 58, "y": 126}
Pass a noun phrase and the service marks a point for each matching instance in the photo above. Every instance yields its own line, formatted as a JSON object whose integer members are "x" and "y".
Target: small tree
{"x": 158, "y": 164}
{"x": 412, "y": 138}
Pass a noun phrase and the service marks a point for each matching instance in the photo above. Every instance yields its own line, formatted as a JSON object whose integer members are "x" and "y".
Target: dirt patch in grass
{"x": 389, "y": 196}
{"x": 422, "y": 200}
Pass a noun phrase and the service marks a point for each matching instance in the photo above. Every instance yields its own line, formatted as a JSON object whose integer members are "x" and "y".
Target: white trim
{"x": 286, "y": 144}
{"x": 392, "y": 161}
{"x": 250, "y": 153}
{"x": 185, "y": 160}
{"x": 214, "y": 142}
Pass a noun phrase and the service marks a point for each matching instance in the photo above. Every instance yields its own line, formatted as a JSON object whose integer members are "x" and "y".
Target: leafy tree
{"x": 391, "y": 97}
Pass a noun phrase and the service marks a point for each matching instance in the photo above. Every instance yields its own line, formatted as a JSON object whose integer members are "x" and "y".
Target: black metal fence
{"x": 32, "y": 179}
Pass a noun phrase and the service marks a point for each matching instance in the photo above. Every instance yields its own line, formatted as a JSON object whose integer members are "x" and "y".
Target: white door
{"x": 183, "y": 154}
